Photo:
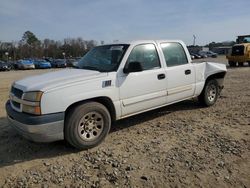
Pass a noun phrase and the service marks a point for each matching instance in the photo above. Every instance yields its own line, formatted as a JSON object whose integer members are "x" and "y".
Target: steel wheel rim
{"x": 91, "y": 126}
{"x": 211, "y": 93}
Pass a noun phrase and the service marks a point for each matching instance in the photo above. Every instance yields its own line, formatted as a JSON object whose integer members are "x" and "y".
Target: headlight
{"x": 32, "y": 104}
{"x": 34, "y": 96}
{"x": 32, "y": 109}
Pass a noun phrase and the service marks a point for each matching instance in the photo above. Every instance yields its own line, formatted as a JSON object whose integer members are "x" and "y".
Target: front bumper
{"x": 44, "y": 128}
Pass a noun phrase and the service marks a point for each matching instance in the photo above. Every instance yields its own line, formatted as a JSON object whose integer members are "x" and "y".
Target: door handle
{"x": 161, "y": 76}
{"x": 187, "y": 71}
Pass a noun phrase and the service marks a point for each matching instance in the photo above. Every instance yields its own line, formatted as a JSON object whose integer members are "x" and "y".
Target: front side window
{"x": 174, "y": 54}
{"x": 146, "y": 54}
{"x": 105, "y": 58}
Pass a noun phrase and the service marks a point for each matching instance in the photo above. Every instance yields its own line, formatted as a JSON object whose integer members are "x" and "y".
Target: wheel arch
{"x": 219, "y": 75}
{"x": 106, "y": 101}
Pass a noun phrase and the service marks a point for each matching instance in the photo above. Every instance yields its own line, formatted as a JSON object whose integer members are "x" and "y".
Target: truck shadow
{"x": 15, "y": 149}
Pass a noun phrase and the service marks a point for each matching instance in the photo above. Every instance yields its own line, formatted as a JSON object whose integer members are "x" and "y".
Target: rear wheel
{"x": 210, "y": 93}
{"x": 87, "y": 125}
{"x": 232, "y": 63}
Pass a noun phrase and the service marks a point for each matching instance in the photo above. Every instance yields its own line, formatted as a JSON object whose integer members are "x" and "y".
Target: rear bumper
{"x": 44, "y": 128}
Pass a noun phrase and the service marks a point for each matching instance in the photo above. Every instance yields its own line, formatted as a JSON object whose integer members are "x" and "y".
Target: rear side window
{"x": 174, "y": 54}
{"x": 146, "y": 54}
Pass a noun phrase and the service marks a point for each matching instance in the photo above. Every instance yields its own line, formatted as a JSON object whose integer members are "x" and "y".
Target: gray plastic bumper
{"x": 44, "y": 128}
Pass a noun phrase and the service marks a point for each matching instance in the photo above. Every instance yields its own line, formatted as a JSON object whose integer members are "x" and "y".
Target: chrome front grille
{"x": 16, "y": 104}
{"x": 238, "y": 50}
{"x": 15, "y": 96}
{"x": 17, "y": 92}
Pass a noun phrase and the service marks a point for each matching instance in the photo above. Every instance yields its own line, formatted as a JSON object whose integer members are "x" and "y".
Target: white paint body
{"x": 131, "y": 93}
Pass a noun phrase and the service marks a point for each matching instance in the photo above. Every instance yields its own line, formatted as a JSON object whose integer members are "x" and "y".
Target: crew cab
{"x": 111, "y": 82}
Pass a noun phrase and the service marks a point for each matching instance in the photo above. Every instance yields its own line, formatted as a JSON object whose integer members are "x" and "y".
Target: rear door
{"x": 180, "y": 73}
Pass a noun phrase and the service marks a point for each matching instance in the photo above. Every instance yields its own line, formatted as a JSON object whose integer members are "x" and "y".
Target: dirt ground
{"x": 182, "y": 145}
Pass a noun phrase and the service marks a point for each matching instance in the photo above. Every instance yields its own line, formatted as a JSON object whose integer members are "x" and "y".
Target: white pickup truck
{"x": 112, "y": 82}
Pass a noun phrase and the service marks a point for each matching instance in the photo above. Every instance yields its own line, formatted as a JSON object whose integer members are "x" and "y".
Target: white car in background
{"x": 208, "y": 54}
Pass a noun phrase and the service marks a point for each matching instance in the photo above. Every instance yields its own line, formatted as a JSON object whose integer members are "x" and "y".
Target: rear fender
{"x": 206, "y": 71}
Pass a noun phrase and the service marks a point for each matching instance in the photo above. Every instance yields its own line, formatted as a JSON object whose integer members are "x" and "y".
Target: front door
{"x": 146, "y": 89}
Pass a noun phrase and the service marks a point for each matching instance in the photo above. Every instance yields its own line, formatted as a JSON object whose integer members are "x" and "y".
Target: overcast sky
{"x": 108, "y": 20}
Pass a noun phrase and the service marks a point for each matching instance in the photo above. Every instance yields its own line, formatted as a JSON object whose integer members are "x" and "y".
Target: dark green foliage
{"x": 31, "y": 47}
{"x": 30, "y": 39}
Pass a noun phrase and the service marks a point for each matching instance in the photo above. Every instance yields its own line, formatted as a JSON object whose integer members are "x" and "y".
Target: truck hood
{"x": 51, "y": 80}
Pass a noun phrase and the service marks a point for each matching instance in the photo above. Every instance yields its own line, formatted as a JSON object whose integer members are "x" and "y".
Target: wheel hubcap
{"x": 211, "y": 93}
{"x": 90, "y": 126}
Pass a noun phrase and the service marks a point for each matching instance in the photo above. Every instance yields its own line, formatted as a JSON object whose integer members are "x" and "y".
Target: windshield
{"x": 243, "y": 39}
{"x": 103, "y": 58}
{"x": 25, "y": 62}
{"x": 246, "y": 39}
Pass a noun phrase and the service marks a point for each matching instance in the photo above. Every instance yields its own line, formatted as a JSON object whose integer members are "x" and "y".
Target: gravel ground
{"x": 182, "y": 145}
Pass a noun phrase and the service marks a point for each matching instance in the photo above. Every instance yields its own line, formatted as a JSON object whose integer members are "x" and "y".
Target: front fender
{"x": 60, "y": 99}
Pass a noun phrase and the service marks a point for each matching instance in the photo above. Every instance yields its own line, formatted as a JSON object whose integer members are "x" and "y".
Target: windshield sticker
{"x": 116, "y": 48}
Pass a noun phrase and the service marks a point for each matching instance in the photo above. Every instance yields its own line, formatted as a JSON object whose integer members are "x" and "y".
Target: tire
{"x": 87, "y": 125}
{"x": 232, "y": 63}
{"x": 210, "y": 93}
{"x": 249, "y": 63}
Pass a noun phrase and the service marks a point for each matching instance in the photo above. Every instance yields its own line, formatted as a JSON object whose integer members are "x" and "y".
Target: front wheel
{"x": 87, "y": 125}
{"x": 210, "y": 93}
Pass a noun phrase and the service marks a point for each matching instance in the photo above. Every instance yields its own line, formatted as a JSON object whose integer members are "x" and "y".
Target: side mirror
{"x": 133, "y": 67}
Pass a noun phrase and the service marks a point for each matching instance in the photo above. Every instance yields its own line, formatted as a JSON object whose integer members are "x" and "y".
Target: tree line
{"x": 31, "y": 47}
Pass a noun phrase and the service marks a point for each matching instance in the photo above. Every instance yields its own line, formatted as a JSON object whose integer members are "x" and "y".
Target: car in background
{"x": 208, "y": 54}
{"x": 4, "y": 66}
{"x": 192, "y": 57}
{"x": 73, "y": 62}
{"x": 203, "y": 55}
{"x": 70, "y": 62}
{"x": 42, "y": 64}
{"x": 195, "y": 56}
{"x": 24, "y": 64}
{"x": 59, "y": 63}
{"x": 12, "y": 64}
